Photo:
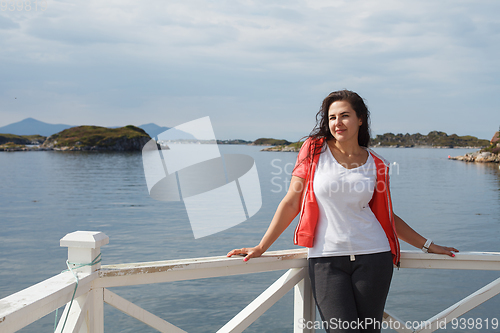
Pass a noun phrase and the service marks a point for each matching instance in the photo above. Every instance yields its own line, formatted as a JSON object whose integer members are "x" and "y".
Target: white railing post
{"x": 304, "y": 309}
{"x": 84, "y": 247}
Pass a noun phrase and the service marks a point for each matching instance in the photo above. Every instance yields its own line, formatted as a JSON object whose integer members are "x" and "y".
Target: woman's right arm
{"x": 286, "y": 212}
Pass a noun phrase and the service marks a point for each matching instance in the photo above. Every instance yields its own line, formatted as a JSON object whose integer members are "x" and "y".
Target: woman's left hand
{"x": 438, "y": 249}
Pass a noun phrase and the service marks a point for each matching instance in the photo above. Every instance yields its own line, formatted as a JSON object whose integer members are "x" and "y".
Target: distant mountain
{"x": 30, "y": 126}
{"x": 153, "y": 130}
{"x": 173, "y": 134}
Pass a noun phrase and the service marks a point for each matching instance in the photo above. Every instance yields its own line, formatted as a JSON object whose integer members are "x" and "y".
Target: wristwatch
{"x": 426, "y": 246}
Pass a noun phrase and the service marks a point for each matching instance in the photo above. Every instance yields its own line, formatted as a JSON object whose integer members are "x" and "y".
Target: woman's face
{"x": 343, "y": 121}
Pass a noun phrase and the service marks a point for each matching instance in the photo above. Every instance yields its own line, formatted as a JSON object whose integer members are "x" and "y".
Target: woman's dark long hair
{"x": 322, "y": 130}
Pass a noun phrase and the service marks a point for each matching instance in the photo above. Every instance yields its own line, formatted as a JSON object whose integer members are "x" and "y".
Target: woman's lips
{"x": 339, "y": 131}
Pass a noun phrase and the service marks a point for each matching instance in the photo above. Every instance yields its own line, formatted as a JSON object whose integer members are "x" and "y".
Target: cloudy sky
{"x": 257, "y": 68}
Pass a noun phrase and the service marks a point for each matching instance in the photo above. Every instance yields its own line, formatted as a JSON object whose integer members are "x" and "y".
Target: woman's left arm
{"x": 407, "y": 234}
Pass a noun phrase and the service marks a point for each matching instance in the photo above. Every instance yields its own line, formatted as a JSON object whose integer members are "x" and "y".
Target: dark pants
{"x": 351, "y": 295}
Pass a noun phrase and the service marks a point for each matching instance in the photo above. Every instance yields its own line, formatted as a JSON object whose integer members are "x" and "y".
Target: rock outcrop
{"x": 282, "y": 148}
{"x": 481, "y": 157}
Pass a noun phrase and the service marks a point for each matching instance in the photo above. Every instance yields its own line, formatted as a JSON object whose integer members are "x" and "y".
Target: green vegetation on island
{"x": 433, "y": 139}
{"x": 294, "y": 146}
{"x": 11, "y": 146}
{"x": 21, "y": 139}
{"x": 270, "y": 142}
{"x": 233, "y": 142}
{"x": 126, "y": 138}
{"x": 12, "y": 142}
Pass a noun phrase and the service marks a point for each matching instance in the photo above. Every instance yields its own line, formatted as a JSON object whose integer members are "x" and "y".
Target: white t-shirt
{"x": 346, "y": 225}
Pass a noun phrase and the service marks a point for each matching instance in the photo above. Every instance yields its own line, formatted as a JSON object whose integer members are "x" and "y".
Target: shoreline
{"x": 478, "y": 157}
{"x": 86, "y": 149}
{"x": 294, "y": 149}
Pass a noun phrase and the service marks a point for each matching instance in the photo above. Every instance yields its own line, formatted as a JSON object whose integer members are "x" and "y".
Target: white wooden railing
{"x": 86, "y": 310}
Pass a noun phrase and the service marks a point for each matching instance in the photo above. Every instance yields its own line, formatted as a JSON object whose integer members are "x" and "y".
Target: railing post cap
{"x": 85, "y": 239}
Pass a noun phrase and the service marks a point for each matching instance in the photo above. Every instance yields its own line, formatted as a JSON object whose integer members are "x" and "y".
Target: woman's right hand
{"x": 248, "y": 252}
{"x": 288, "y": 208}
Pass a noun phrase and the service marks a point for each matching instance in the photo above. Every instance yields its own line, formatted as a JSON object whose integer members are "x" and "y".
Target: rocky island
{"x": 270, "y": 142}
{"x": 434, "y": 139}
{"x": 81, "y": 138}
{"x": 485, "y": 155}
{"x": 293, "y": 147}
{"x": 18, "y": 142}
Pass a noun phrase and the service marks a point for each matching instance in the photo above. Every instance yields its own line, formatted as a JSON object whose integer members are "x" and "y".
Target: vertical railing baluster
{"x": 97, "y": 310}
{"x": 304, "y": 310}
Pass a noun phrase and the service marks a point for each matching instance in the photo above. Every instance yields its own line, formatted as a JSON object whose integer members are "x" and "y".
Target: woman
{"x": 341, "y": 189}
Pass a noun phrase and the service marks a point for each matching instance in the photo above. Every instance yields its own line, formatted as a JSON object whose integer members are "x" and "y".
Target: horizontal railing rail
{"x": 84, "y": 309}
{"x": 24, "y": 307}
{"x": 197, "y": 268}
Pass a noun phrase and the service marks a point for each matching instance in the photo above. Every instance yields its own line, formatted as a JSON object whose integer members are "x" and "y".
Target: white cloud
{"x": 279, "y": 57}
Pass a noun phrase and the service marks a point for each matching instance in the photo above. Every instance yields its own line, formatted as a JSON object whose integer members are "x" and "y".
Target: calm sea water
{"x": 45, "y": 195}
